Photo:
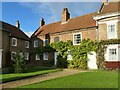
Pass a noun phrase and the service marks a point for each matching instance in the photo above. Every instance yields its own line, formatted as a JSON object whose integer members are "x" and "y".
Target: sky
{"x": 30, "y": 13}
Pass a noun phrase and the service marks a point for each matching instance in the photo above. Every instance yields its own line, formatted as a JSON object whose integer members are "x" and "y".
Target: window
{"x": 111, "y": 31}
{"x": 56, "y": 39}
{"x": 13, "y": 54}
{"x": 35, "y": 43}
{"x": 46, "y": 41}
{"x": 112, "y": 54}
{"x": 37, "y": 57}
{"x": 14, "y": 41}
{"x": 27, "y": 56}
{"x": 77, "y": 38}
{"x": 45, "y": 56}
{"x": 26, "y": 44}
{"x": 69, "y": 56}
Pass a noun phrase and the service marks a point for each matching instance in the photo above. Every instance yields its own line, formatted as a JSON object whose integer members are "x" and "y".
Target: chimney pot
{"x": 65, "y": 15}
{"x": 17, "y": 24}
{"x": 42, "y": 22}
{"x": 105, "y": 2}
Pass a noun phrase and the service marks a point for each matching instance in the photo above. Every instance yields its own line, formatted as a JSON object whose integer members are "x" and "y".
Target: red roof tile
{"x": 111, "y": 7}
{"x": 84, "y": 21}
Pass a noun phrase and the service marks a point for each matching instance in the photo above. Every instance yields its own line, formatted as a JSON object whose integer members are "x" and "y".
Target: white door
{"x": 92, "y": 61}
{"x": 0, "y": 58}
{"x": 55, "y": 57}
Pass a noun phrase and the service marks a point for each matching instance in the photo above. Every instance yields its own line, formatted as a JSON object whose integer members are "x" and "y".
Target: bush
{"x": 61, "y": 62}
{"x": 19, "y": 63}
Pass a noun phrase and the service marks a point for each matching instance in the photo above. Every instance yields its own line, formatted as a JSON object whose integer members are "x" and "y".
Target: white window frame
{"x": 73, "y": 38}
{"x": 112, "y": 23}
{"x": 27, "y": 56}
{"x": 35, "y": 42}
{"x": 44, "y": 44}
{"x": 36, "y": 56}
{"x": 11, "y": 55}
{"x": 45, "y": 55}
{"x": 15, "y": 41}
{"x": 27, "y": 42}
{"x": 115, "y": 46}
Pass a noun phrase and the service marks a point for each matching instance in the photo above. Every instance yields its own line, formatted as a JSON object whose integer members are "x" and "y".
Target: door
{"x": 92, "y": 61}
{"x": 55, "y": 57}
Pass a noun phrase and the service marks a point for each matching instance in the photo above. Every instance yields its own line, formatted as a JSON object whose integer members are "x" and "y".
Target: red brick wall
{"x": 112, "y": 65}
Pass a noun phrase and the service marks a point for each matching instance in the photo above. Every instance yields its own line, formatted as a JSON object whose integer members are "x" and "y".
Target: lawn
{"x": 34, "y": 71}
{"x": 99, "y": 79}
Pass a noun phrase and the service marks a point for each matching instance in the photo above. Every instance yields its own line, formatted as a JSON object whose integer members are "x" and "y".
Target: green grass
{"x": 29, "y": 73}
{"x": 99, "y": 79}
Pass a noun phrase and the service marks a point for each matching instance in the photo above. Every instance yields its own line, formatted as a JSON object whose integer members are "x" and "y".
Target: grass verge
{"x": 99, "y": 79}
{"x": 30, "y": 72}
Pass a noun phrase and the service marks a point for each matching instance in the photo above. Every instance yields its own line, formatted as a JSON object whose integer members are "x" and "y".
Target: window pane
{"x": 77, "y": 39}
{"x": 112, "y": 54}
{"x": 56, "y": 39}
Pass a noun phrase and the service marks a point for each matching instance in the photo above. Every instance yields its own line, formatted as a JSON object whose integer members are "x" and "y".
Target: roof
{"x": 111, "y": 7}
{"x": 15, "y": 32}
{"x": 84, "y": 21}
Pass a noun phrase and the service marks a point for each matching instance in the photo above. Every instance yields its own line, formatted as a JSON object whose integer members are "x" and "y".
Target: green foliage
{"x": 79, "y": 54}
{"x": 61, "y": 62}
{"x": 62, "y": 48}
{"x": 19, "y": 63}
{"x": 101, "y": 49}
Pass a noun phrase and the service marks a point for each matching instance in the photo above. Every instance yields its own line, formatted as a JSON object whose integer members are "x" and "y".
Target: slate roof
{"x": 14, "y": 31}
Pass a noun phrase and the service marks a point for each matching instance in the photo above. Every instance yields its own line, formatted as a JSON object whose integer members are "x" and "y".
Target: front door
{"x": 55, "y": 57}
{"x": 92, "y": 61}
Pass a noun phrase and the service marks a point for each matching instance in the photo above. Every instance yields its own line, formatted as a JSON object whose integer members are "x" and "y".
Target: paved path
{"x": 40, "y": 78}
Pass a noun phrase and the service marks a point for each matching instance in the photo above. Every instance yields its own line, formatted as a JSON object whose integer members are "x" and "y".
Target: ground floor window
{"x": 45, "y": 56}
{"x": 27, "y": 56}
{"x": 13, "y": 54}
{"x": 37, "y": 57}
{"x": 112, "y": 54}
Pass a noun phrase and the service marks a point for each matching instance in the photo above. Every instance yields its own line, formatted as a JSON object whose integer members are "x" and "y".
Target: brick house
{"x": 108, "y": 22}
{"x": 14, "y": 40}
{"x": 96, "y": 26}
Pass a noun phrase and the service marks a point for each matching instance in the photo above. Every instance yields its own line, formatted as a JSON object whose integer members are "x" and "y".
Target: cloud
{"x": 51, "y": 11}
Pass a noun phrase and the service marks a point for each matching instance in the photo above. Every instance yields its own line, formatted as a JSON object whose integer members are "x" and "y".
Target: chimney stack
{"x": 65, "y": 15}
{"x": 42, "y": 22}
{"x": 105, "y": 2}
{"x": 17, "y": 24}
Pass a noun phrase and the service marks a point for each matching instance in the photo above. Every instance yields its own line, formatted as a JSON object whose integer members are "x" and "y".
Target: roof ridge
{"x": 70, "y": 18}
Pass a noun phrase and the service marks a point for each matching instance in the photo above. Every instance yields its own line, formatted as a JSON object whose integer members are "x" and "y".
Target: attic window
{"x": 14, "y": 41}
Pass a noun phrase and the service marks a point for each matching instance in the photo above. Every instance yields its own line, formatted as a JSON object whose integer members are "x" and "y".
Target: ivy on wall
{"x": 79, "y": 52}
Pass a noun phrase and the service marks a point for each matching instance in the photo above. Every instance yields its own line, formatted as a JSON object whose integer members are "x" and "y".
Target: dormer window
{"x": 77, "y": 38}
{"x": 35, "y": 43}
{"x": 26, "y": 44}
{"x": 46, "y": 41}
{"x": 14, "y": 41}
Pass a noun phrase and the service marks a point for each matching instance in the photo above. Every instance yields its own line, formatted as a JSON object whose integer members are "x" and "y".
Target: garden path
{"x": 40, "y": 78}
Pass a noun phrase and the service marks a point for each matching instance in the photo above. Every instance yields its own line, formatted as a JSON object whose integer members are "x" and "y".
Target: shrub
{"x": 61, "y": 62}
{"x": 19, "y": 63}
